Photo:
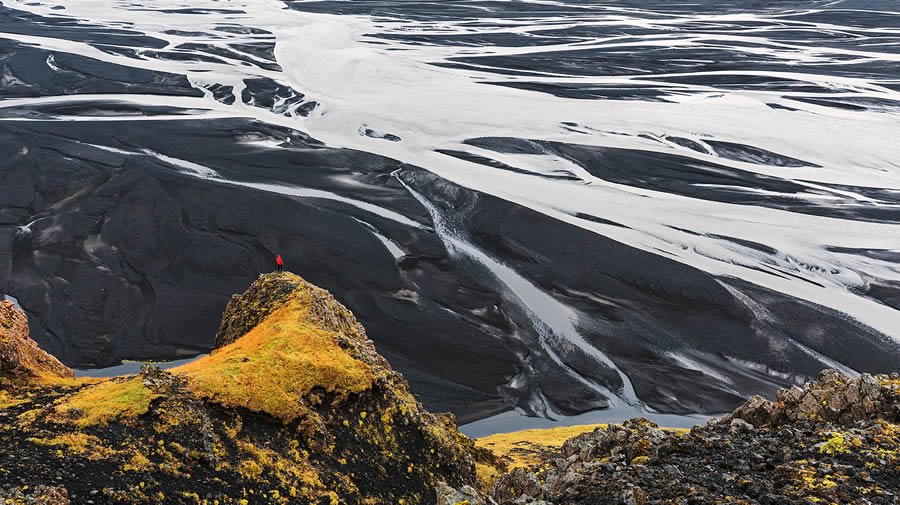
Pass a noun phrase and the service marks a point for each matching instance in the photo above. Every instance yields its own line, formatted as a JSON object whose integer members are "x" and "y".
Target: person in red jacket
{"x": 280, "y": 263}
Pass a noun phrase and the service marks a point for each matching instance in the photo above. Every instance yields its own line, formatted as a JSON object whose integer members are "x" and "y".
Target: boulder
{"x": 447, "y": 495}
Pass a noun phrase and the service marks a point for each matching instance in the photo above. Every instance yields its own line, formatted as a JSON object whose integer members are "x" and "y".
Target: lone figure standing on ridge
{"x": 280, "y": 263}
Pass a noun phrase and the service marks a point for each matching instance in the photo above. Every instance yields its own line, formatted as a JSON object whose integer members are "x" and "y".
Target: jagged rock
{"x": 447, "y": 495}
{"x": 21, "y": 359}
{"x": 634, "y": 496}
{"x": 834, "y": 398}
{"x": 635, "y": 437}
{"x": 757, "y": 411}
{"x": 634, "y": 442}
{"x": 814, "y": 445}
{"x": 739, "y": 426}
{"x": 247, "y": 310}
{"x": 518, "y": 482}
{"x": 41, "y": 495}
{"x": 159, "y": 381}
{"x": 527, "y": 500}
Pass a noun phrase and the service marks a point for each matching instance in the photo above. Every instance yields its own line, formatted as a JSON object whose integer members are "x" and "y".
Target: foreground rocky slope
{"x": 295, "y": 406}
{"x": 834, "y": 441}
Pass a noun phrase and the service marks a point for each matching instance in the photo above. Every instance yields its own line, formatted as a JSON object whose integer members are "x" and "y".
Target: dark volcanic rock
{"x": 41, "y": 495}
{"x": 799, "y": 452}
{"x": 833, "y": 398}
{"x": 247, "y": 310}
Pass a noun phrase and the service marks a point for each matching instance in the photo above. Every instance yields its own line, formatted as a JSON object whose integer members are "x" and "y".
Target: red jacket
{"x": 278, "y": 261}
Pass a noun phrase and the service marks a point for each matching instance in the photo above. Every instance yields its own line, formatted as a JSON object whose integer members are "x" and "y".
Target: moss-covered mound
{"x": 21, "y": 360}
{"x": 295, "y": 406}
{"x": 274, "y": 367}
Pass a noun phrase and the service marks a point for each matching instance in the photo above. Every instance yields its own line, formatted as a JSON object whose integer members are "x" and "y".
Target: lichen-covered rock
{"x": 466, "y": 495}
{"x": 21, "y": 360}
{"x": 634, "y": 438}
{"x": 835, "y": 440}
{"x": 634, "y": 442}
{"x": 245, "y": 311}
{"x": 40, "y": 495}
{"x": 833, "y": 398}
{"x": 517, "y": 482}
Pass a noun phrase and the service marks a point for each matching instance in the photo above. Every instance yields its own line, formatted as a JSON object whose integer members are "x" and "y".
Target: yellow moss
{"x": 270, "y": 368}
{"x": 487, "y": 475}
{"x": 67, "y": 382}
{"x": 809, "y": 480}
{"x": 250, "y": 470}
{"x": 530, "y": 447}
{"x": 526, "y": 448}
{"x": 108, "y": 401}
{"x": 886, "y": 381}
{"x": 835, "y": 445}
{"x": 77, "y": 443}
{"x": 189, "y": 495}
{"x": 138, "y": 463}
{"x": 640, "y": 460}
{"x": 28, "y": 416}
{"x": 7, "y": 400}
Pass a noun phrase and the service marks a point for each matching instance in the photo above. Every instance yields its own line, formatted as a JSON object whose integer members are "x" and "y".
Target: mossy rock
{"x": 294, "y": 406}
{"x": 245, "y": 311}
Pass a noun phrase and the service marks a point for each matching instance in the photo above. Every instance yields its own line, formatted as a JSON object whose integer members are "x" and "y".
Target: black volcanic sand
{"x": 635, "y": 306}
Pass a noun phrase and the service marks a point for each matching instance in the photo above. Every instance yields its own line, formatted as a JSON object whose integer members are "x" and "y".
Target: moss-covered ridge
{"x": 296, "y": 408}
{"x": 285, "y": 342}
{"x": 246, "y": 310}
{"x": 272, "y": 368}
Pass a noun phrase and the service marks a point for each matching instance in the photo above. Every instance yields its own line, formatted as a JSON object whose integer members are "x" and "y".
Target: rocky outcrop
{"x": 833, "y": 398}
{"x": 636, "y": 440}
{"x": 467, "y": 495}
{"x": 246, "y": 310}
{"x": 843, "y": 448}
{"x": 21, "y": 360}
{"x": 294, "y": 406}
